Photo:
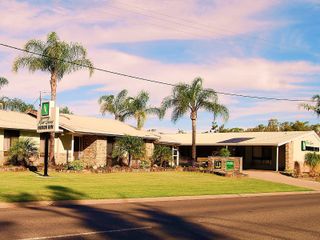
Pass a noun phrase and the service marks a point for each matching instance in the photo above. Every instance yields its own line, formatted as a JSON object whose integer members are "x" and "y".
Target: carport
{"x": 276, "y": 151}
{"x": 254, "y": 157}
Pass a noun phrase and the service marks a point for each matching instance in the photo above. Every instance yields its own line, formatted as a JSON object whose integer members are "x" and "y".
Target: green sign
{"x": 45, "y": 106}
{"x": 303, "y": 146}
{"x": 229, "y": 165}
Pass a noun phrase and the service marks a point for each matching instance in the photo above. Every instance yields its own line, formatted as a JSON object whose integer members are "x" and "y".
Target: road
{"x": 273, "y": 217}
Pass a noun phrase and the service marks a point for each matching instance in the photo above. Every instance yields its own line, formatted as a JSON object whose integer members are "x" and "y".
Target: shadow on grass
{"x": 129, "y": 221}
{"x": 20, "y": 198}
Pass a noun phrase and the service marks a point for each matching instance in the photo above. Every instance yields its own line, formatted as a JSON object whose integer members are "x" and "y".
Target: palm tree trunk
{"x": 194, "y": 131}
{"x": 139, "y": 122}
{"x": 129, "y": 160}
{"x": 53, "y": 85}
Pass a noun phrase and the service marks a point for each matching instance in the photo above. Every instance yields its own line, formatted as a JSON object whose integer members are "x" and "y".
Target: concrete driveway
{"x": 279, "y": 178}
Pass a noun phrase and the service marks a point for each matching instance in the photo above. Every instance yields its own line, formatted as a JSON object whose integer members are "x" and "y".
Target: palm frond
{"x": 217, "y": 110}
{"x": 3, "y": 82}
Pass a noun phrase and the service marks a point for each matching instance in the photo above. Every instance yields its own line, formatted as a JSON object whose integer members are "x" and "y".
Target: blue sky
{"x": 263, "y": 47}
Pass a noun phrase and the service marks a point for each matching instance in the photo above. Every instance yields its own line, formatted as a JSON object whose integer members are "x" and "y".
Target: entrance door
{"x": 78, "y": 147}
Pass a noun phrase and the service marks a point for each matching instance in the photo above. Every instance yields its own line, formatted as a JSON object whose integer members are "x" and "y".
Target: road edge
{"x": 4, "y": 205}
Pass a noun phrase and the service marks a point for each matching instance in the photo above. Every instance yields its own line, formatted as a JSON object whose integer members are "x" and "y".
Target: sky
{"x": 262, "y": 47}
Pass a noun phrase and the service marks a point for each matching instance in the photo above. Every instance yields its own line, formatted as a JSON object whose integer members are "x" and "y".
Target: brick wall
{"x": 237, "y": 163}
{"x": 289, "y": 156}
{"x": 2, "y": 159}
{"x": 95, "y": 150}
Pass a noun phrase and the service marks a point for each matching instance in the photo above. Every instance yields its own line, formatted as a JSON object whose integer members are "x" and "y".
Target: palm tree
{"x": 190, "y": 99}
{"x": 316, "y": 107}
{"x": 139, "y": 109}
{"x": 65, "y": 110}
{"x": 3, "y": 82}
{"x": 56, "y": 57}
{"x": 116, "y": 105}
{"x": 15, "y": 104}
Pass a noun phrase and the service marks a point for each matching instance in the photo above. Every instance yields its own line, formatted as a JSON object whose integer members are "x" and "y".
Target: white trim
{"x": 277, "y": 159}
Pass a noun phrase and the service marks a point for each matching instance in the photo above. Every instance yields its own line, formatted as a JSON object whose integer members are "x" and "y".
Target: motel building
{"x": 92, "y": 139}
{"x": 277, "y": 151}
{"x": 87, "y": 138}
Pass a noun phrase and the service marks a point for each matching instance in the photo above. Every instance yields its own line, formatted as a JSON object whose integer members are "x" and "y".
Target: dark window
{"x": 10, "y": 136}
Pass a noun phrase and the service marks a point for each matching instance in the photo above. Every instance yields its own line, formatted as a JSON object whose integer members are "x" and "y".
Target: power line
{"x": 150, "y": 80}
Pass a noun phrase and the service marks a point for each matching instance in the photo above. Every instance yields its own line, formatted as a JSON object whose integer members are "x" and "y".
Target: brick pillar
{"x": 289, "y": 156}
{"x": 101, "y": 151}
{"x": 95, "y": 150}
{"x": 149, "y": 150}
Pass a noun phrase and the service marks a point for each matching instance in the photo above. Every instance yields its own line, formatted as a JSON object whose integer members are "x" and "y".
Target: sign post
{"x": 48, "y": 121}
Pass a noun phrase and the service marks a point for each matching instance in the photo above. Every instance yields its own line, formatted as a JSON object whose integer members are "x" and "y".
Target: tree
{"x": 139, "y": 109}
{"x": 300, "y": 126}
{"x": 224, "y": 152}
{"x": 131, "y": 146}
{"x": 65, "y": 110}
{"x": 22, "y": 151}
{"x": 3, "y": 82}
{"x": 162, "y": 154}
{"x": 285, "y": 126}
{"x": 15, "y": 104}
{"x": 190, "y": 99}
{"x": 314, "y": 108}
{"x": 56, "y": 57}
{"x": 312, "y": 160}
{"x": 116, "y": 105}
{"x": 259, "y": 128}
{"x": 273, "y": 125}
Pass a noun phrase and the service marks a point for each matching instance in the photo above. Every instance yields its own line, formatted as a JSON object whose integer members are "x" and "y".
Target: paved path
{"x": 272, "y": 217}
{"x": 277, "y": 177}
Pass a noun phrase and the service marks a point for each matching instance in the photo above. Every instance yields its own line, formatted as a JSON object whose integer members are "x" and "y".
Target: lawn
{"x": 27, "y": 186}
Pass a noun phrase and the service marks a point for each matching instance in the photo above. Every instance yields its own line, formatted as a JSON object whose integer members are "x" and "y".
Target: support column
{"x": 277, "y": 159}
{"x": 175, "y": 155}
{"x": 72, "y": 147}
{"x": 178, "y": 155}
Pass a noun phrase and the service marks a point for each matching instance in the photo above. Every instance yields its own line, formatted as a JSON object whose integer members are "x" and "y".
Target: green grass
{"x": 27, "y": 186}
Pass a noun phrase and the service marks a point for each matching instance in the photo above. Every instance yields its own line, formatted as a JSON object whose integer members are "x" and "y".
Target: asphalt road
{"x": 276, "y": 217}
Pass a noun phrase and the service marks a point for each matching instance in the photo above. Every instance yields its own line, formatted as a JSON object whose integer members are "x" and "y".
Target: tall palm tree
{"x": 116, "y": 105}
{"x": 190, "y": 99}
{"x": 139, "y": 109}
{"x": 56, "y": 57}
{"x": 314, "y": 108}
{"x": 3, "y": 82}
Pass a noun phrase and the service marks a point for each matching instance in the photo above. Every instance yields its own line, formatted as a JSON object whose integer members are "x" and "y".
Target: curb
{"x": 145, "y": 200}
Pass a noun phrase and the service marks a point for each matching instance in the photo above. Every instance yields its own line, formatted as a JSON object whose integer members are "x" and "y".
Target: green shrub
{"x": 21, "y": 152}
{"x": 130, "y": 146}
{"x": 224, "y": 152}
{"x": 76, "y": 165}
{"x": 162, "y": 154}
{"x": 312, "y": 160}
{"x": 145, "y": 164}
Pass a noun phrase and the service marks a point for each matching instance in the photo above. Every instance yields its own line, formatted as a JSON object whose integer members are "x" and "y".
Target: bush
{"x": 130, "y": 146}
{"x": 224, "y": 152}
{"x": 312, "y": 160}
{"x": 22, "y": 151}
{"x": 145, "y": 164}
{"x": 162, "y": 154}
{"x": 76, "y": 165}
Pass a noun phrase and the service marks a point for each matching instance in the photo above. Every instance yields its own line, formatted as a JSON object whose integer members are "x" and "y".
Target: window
{"x": 10, "y": 136}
